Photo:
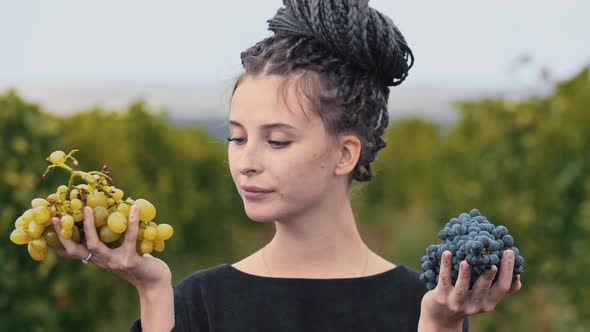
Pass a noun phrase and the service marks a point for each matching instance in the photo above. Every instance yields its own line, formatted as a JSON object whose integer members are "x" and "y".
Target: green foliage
{"x": 524, "y": 164}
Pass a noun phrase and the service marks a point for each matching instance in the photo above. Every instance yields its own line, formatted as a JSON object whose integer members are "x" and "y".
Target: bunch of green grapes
{"x": 111, "y": 213}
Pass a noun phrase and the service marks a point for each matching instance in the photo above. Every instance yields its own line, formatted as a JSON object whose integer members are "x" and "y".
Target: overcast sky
{"x": 462, "y": 43}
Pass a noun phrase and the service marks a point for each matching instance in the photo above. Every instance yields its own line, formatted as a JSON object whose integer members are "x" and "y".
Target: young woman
{"x": 306, "y": 119}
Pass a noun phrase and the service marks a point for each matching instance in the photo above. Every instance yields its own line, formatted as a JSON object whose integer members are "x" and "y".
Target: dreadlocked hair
{"x": 343, "y": 55}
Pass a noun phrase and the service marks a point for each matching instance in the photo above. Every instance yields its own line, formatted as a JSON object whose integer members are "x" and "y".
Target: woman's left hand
{"x": 446, "y": 305}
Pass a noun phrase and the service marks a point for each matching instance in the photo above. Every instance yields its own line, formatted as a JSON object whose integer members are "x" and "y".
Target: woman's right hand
{"x": 144, "y": 272}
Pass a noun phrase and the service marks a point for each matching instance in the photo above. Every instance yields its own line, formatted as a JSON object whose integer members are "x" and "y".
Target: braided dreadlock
{"x": 347, "y": 55}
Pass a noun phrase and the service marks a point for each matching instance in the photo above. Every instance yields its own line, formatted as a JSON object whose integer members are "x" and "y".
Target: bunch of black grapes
{"x": 470, "y": 237}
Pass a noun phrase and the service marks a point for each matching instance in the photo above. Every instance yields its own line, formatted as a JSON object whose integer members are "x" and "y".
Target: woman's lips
{"x": 256, "y": 194}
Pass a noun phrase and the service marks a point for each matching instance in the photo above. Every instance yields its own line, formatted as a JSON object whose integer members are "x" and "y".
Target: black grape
{"x": 472, "y": 238}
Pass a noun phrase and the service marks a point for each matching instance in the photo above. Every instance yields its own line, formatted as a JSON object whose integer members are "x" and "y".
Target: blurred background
{"x": 494, "y": 115}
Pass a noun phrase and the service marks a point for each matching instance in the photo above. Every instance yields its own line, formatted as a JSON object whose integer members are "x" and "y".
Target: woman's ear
{"x": 349, "y": 150}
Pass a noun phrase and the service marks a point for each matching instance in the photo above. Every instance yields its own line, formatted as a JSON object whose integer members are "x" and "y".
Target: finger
{"x": 516, "y": 285}
{"x": 502, "y": 286}
{"x": 132, "y": 228}
{"x": 445, "y": 283}
{"x": 461, "y": 294}
{"x": 487, "y": 278}
{"x": 92, "y": 241}
{"x": 61, "y": 252}
{"x": 73, "y": 249}
{"x": 481, "y": 289}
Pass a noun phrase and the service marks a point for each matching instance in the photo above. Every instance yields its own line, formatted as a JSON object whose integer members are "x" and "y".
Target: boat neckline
{"x": 380, "y": 275}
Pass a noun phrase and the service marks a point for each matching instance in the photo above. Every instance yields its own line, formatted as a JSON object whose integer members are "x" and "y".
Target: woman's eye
{"x": 274, "y": 143}
{"x": 281, "y": 144}
{"x": 230, "y": 139}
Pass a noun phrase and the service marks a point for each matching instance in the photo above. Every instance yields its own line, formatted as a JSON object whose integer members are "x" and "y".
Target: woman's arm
{"x": 157, "y": 308}
{"x": 428, "y": 325}
{"x": 149, "y": 275}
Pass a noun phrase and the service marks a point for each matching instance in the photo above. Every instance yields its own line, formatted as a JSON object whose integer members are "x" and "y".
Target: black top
{"x": 223, "y": 298}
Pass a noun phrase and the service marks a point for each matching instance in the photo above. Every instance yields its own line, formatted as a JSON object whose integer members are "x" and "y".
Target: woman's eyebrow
{"x": 265, "y": 126}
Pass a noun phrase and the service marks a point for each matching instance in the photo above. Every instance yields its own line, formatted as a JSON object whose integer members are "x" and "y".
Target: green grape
{"x": 117, "y": 194}
{"x": 138, "y": 248}
{"x": 97, "y": 198}
{"x": 76, "y": 204}
{"x": 89, "y": 178}
{"x": 76, "y": 234}
{"x": 78, "y": 215}
{"x": 159, "y": 245}
{"x": 74, "y": 194}
{"x": 19, "y": 222}
{"x": 35, "y": 250}
{"x": 124, "y": 208}
{"x": 39, "y": 243}
{"x": 141, "y": 228}
{"x": 111, "y": 212}
{"x": 66, "y": 234}
{"x": 83, "y": 187}
{"x": 150, "y": 233}
{"x": 100, "y": 215}
{"x": 35, "y": 230}
{"x": 165, "y": 232}
{"x": 117, "y": 222}
{"x": 52, "y": 198}
{"x": 66, "y": 205}
{"x": 19, "y": 236}
{"x": 39, "y": 202}
{"x": 28, "y": 216}
{"x": 57, "y": 157}
{"x": 41, "y": 215}
{"x": 53, "y": 211}
{"x": 146, "y": 246}
{"x": 62, "y": 190}
{"x": 107, "y": 235}
{"x": 51, "y": 237}
{"x": 113, "y": 209}
{"x": 67, "y": 221}
{"x": 117, "y": 243}
{"x": 147, "y": 211}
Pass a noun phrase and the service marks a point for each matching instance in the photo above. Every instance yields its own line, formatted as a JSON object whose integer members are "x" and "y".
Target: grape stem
{"x": 81, "y": 175}
{"x": 101, "y": 174}
{"x": 73, "y": 172}
{"x": 69, "y": 155}
{"x": 50, "y": 167}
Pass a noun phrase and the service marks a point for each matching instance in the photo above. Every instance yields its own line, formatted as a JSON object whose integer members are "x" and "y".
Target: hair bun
{"x": 355, "y": 31}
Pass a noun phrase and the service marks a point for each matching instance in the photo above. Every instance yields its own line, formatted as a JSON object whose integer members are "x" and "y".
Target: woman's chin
{"x": 259, "y": 217}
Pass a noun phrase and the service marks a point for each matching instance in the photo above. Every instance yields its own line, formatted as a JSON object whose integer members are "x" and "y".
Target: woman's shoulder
{"x": 199, "y": 277}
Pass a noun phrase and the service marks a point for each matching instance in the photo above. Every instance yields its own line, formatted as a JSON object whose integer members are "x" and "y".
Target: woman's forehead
{"x": 263, "y": 101}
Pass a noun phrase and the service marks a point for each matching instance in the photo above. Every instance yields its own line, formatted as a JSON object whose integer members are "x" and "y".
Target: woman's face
{"x": 293, "y": 160}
